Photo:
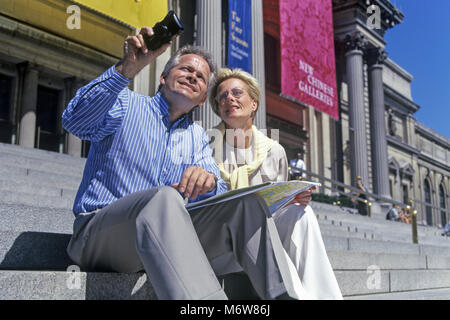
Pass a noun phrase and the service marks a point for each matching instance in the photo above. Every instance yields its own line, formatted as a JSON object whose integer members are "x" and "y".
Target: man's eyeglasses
{"x": 235, "y": 92}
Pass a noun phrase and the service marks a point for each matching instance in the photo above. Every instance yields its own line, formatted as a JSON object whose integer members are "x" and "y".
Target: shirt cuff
{"x": 114, "y": 80}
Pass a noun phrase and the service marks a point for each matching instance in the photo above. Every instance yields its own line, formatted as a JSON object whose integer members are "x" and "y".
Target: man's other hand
{"x": 195, "y": 181}
{"x": 136, "y": 55}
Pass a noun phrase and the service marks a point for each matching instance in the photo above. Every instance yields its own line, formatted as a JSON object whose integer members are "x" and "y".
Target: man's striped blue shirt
{"x": 134, "y": 146}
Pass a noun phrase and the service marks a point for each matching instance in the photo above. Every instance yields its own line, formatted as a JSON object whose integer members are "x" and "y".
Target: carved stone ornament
{"x": 376, "y": 56}
{"x": 391, "y": 123}
{"x": 355, "y": 41}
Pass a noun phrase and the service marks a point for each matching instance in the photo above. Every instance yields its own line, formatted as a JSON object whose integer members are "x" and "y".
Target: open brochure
{"x": 275, "y": 194}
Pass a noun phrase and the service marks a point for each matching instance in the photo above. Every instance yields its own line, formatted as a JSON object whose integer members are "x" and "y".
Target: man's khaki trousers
{"x": 151, "y": 230}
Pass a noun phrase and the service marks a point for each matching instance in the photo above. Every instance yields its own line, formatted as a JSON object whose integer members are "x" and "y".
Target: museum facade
{"x": 371, "y": 132}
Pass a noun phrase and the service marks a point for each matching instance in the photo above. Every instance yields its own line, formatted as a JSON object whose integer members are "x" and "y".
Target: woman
{"x": 247, "y": 157}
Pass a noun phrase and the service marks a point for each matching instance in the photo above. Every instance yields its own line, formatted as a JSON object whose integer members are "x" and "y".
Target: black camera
{"x": 163, "y": 31}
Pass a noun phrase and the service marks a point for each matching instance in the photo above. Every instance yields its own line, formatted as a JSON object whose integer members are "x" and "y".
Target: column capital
{"x": 355, "y": 41}
{"x": 376, "y": 56}
{"x": 28, "y": 66}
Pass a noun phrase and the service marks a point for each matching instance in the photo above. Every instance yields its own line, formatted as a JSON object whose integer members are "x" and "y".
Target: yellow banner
{"x": 137, "y": 13}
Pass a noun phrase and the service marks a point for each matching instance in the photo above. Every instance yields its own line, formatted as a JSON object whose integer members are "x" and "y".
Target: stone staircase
{"x": 377, "y": 259}
{"x": 372, "y": 259}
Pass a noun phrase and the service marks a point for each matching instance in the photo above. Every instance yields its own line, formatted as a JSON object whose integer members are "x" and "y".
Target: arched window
{"x": 442, "y": 204}
{"x": 429, "y": 214}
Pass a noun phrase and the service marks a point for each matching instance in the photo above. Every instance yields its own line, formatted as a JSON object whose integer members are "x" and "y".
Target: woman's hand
{"x": 303, "y": 198}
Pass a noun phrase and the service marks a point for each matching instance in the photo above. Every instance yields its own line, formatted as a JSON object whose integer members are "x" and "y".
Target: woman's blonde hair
{"x": 252, "y": 84}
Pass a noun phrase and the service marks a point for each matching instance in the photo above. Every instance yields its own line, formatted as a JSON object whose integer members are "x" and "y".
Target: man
{"x": 146, "y": 155}
{"x": 446, "y": 231}
{"x": 393, "y": 213}
{"x": 298, "y": 167}
{"x": 362, "y": 204}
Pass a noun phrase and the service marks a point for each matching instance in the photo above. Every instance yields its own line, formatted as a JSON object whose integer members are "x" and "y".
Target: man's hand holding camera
{"x": 136, "y": 55}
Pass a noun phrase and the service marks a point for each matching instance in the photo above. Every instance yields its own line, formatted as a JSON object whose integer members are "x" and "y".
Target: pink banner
{"x": 307, "y": 53}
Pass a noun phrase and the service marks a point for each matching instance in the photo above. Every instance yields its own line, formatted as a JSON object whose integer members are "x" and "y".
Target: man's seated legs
{"x": 149, "y": 229}
{"x": 241, "y": 226}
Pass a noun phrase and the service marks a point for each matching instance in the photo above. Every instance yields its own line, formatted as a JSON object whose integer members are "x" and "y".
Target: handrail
{"x": 409, "y": 207}
{"x": 372, "y": 195}
{"x": 431, "y": 205}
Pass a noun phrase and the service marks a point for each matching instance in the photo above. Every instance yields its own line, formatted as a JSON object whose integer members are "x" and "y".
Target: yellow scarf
{"x": 239, "y": 178}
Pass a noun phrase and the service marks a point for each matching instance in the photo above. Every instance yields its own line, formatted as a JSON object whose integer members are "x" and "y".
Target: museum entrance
{"x": 6, "y": 125}
{"x": 48, "y": 136}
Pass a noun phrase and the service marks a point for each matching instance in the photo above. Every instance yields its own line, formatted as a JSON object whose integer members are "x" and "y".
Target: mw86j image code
{"x": 234, "y": 309}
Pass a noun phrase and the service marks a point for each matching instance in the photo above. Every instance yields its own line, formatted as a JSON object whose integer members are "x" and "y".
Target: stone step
{"x": 22, "y": 218}
{"x": 430, "y": 294}
{"x": 334, "y": 212}
{"x": 29, "y": 188}
{"x": 43, "y": 199}
{"x": 37, "y": 250}
{"x": 33, "y": 250}
{"x": 351, "y": 227}
{"x": 393, "y": 232}
{"x": 328, "y": 230}
{"x": 407, "y": 238}
{"x": 380, "y": 229}
{"x": 21, "y": 151}
{"x": 38, "y": 177}
{"x": 353, "y": 260}
{"x": 27, "y": 218}
{"x": 62, "y": 285}
{"x": 43, "y": 250}
{"x": 387, "y": 234}
{"x": 379, "y": 246}
{"x": 331, "y": 209}
{"x": 389, "y": 281}
{"x": 68, "y": 168}
{"x": 36, "y": 200}
{"x": 323, "y": 212}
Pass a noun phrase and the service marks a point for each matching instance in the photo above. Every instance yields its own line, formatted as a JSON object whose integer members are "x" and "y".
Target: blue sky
{"x": 421, "y": 46}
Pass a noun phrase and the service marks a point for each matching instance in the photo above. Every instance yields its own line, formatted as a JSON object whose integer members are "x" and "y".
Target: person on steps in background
{"x": 297, "y": 171}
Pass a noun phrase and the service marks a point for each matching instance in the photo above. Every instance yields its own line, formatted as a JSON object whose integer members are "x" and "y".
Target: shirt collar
{"x": 162, "y": 103}
{"x": 183, "y": 122}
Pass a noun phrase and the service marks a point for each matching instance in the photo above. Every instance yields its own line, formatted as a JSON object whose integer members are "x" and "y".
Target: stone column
{"x": 27, "y": 133}
{"x": 375, "y": 60}
{"x": 209, "y": 36}
{"x": 258, "y": 60}
{"x": 355, "y": 44}
{"x": 74, "y": 144}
